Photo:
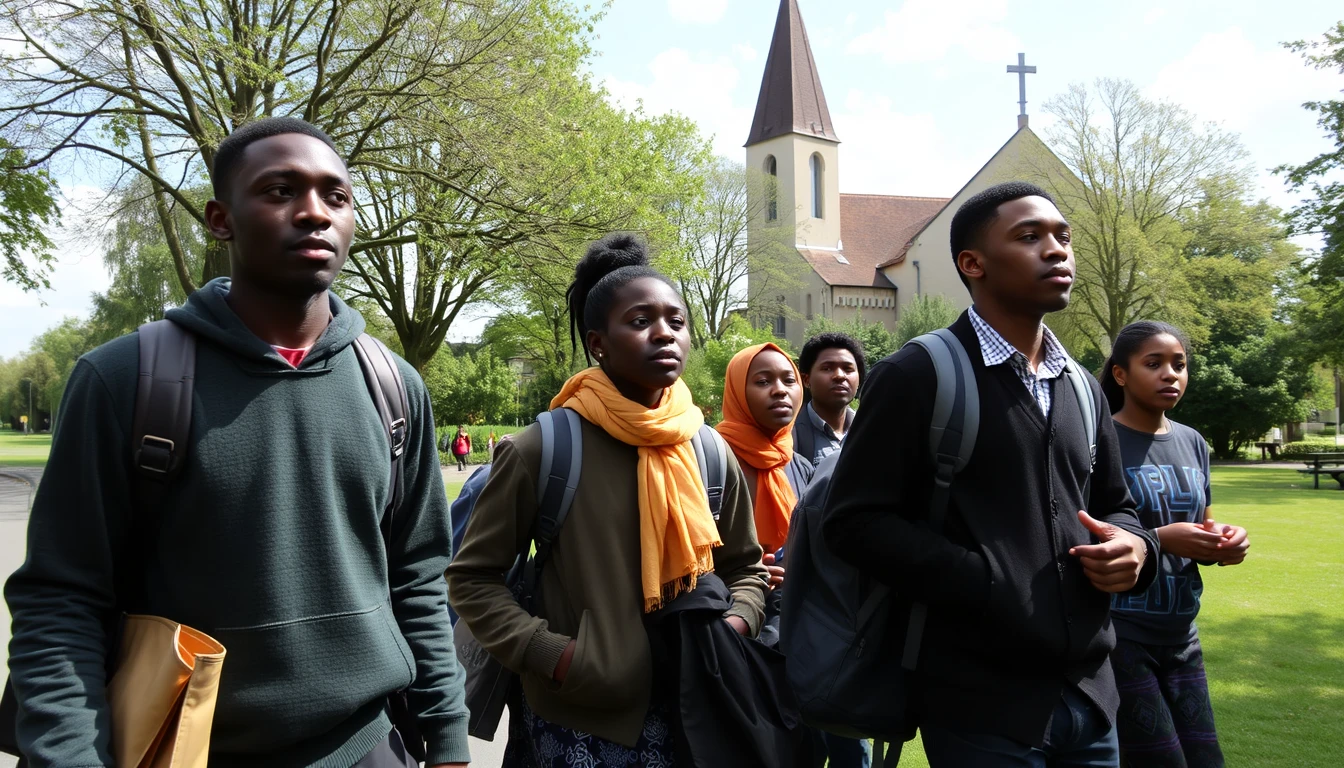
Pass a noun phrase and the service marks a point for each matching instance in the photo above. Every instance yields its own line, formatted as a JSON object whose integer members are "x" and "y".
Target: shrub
{"x": 1310, "y": 444}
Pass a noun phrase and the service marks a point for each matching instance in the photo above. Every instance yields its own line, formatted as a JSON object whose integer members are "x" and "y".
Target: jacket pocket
{"x": 290, "y": 681}
{"x": 603, "y": 669}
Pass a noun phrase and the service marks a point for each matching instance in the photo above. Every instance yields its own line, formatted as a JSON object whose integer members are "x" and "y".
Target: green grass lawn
{"x": 19, "y": 450}
{"x": 1272, "y": 627}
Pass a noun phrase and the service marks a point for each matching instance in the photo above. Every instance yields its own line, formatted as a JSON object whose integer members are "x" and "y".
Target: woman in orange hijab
{"x": 761, "y": 398}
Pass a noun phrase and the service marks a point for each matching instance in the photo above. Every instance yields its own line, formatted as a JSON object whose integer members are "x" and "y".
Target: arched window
{"x": 809, "y": 306}
{"x": 771, "y": 189}
{"x": 818, "y": 192}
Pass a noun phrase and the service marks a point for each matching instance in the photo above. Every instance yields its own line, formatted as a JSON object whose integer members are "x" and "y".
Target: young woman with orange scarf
{"x": 762, "y": 395}
{"x": 638, "y": 534}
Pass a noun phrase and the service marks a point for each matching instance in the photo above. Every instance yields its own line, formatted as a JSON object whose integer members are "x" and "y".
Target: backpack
{"x": 834, "y": 620}
{"x": 160, "y": 429}
{"x": 489, "y": 683}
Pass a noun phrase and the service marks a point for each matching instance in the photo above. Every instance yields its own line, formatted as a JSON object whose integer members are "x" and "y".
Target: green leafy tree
{"x": 1137, "y": 167}
{"x": 1248, "y": 376}
{"x": 877, "y": 341}
{"x": 28, "y": 210}
{"x": 470, "y": 389}
{"x": 922, "y": 315}
{"x": 1321, "y": 315}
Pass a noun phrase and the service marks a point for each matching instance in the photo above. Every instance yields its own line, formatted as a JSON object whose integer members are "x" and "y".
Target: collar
{"x": 996, "y": 350}
{"x": 820, "y": 424}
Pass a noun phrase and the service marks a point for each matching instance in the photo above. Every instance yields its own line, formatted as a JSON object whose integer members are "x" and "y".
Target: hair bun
{"x": 617, "y": 250}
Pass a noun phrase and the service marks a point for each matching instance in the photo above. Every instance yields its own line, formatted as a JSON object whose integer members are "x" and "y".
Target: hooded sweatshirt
{"x": 269, "y": 541}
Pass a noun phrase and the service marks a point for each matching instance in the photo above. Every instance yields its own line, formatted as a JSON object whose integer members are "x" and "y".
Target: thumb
{"x": 1101, "y": 530}
{"x": 768, "y": 559}
{"x": 1209, "y": 524}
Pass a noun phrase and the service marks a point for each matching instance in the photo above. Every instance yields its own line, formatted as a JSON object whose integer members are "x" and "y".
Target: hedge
{"x": 1311, "y": 444}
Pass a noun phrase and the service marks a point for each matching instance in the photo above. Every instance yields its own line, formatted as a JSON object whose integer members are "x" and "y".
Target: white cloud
{"x": 78, "y": 273}
{"x": 1225, "y": 78}
{"x": 744, "y": 52}
{"x": 928, "y": 30}
{"x": 697, "y": 11}
{"x": 1155, "y": 15}
{"x": 699, "y": 86}
{"x": 893, "y": 153}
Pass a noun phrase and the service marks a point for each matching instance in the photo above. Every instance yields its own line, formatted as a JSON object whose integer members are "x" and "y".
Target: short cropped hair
{"x": 980, "y": 211}
{"x": 230, "y": 152}
{"x": 814, "y": 346}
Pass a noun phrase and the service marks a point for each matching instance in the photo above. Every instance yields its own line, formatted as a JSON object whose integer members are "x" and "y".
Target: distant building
{"x": 869, "y": 254}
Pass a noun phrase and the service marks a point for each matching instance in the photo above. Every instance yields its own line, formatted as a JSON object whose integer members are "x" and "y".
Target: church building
{"x": 868, "y": 254}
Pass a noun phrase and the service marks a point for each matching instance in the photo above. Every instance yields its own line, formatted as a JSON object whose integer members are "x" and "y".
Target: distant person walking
{"x": 461, "y": 448}
{"x": 491, "y": 443}
{"x": 1166, "y": 716}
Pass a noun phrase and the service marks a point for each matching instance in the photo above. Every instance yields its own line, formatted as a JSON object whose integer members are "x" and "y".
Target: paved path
{"x": 16, "y": 485}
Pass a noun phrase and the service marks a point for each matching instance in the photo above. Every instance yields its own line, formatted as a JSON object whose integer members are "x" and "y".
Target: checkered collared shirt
{"x": 996, "y": 351}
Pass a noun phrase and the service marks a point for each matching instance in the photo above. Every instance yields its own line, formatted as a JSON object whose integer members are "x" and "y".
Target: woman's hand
{"x": 1236, "y": 542}
{"x": 566, "y": 658}
{"x": 776, "y": 571}
{"x": 739, "y": 625}
{"x": 1197, "y": 542}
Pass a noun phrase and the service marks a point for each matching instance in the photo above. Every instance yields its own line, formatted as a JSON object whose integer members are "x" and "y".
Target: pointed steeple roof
{"x": 791, "y": 99}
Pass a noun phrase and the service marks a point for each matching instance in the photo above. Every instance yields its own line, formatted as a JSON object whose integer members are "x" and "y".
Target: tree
{"x": 1137, "y": 167}
{"x": 1321, "y": 317}
{"x": 470, "y": 389}
{"x": 712, "y": 255}
{"x": 471, "y": 128}
{"x": 1250, "y": 358}
{"x": 27, "y": 208}
{"x": 876, "y": 340}
{"x": 922, "y": 315}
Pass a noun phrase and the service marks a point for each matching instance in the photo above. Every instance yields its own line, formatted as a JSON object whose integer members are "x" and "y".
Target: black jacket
{"x": 734, "y": 706}
{"x": 1012, "y": 616}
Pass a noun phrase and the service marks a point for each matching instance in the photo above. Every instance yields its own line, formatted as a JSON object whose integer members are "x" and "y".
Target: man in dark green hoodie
{"x": 269, "y": 540}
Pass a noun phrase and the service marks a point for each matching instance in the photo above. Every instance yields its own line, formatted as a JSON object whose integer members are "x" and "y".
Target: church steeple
{"x": 791, "y": 99}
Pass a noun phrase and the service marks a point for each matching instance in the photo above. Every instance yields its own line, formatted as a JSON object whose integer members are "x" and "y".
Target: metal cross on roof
{"x": 1022, "y": 70}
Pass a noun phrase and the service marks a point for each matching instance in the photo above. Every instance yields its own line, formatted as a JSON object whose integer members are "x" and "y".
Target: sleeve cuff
{"x": 446, "y": 740}
{"x": 544, "y": 651}
{"x": 752, "y": 617}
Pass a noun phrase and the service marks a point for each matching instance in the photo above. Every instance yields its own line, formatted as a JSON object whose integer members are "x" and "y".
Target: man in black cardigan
{"x": 1013, "y": 668}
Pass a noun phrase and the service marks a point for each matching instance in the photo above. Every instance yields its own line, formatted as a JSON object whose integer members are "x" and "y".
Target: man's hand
{"x": 739, "y": 625}
{"x": 1114, "y": 564}
{"x": 566, "y": 658}
{"x": 776, "y": 571}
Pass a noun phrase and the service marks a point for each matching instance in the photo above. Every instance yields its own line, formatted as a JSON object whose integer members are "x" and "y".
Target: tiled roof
{"x": 791, "y": 99}
{"x": 876, "y": 230}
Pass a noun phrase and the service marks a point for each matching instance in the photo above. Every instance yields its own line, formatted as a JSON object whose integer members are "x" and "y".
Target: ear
{"x": 596, "y": 346}
{"x": 971, "y": 264}
{"x": 1119, "y": 374}
{"x": 807, "y": 379}
{"x": 218, "y": 221}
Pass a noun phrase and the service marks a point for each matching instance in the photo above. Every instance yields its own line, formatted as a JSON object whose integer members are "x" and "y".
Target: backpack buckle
{"x": 155, "y": 454}
{"x": 398, "y": 434}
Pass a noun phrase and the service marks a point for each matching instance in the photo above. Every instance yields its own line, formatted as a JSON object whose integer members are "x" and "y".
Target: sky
{"x": 917, "y": 90}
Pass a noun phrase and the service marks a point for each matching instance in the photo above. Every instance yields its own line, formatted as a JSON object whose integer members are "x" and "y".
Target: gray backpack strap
{"x": 1087, "y": 403}
{"x": 388, "y": 391}
{"x": 161, "y": 424}
{"x": 711, "y": 453}
{"x": 952, "y": 432}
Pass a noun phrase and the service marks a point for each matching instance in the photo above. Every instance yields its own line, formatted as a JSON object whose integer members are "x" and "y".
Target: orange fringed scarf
{"x": 677, "y": 533}
{"x": 768, "y": 454}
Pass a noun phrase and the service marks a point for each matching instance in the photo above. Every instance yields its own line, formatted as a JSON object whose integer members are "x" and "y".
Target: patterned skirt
{"x": 535, "y": 743}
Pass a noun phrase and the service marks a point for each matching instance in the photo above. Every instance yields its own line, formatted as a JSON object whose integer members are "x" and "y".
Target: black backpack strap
{"x": 161, "y": 423}
{"x": 805, "y": 437}
{"x": 388, "y": 390}
{"x": 711, "y": 454}
{"x": 1087, "y": 403}
{"x": 952, "y": 431}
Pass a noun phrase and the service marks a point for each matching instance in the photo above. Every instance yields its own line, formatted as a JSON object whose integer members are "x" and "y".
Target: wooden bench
{"x": 1318, "y": 464}
{"x": 1272, "y": 447}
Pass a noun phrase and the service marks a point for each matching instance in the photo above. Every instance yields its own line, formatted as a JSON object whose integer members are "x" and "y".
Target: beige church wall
{"x": 1025, "y": 157}
{"x": 792, "y": 154}
{"x": 795, "y": 327}
{"x": 874, "y": 304}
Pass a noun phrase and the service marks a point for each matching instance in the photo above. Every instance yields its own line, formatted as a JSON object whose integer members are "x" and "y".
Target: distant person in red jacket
{"x": 461, "y": 448}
